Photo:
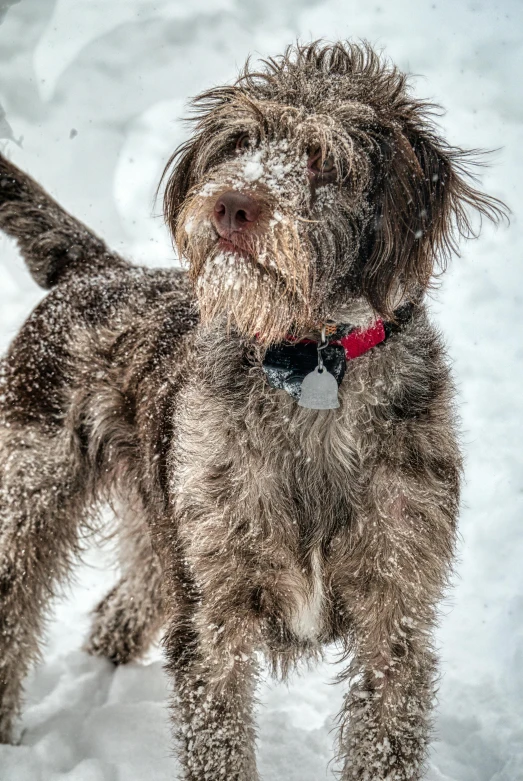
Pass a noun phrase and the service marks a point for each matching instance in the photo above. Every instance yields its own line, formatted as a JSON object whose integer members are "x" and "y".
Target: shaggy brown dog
{"x": 315, "y": 193}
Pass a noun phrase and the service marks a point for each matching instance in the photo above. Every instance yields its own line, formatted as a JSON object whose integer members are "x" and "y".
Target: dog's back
{"x": 97, "y": 300}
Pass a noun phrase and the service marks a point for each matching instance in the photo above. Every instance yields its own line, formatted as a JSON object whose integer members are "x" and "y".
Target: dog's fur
{"x": 247, "y": 521}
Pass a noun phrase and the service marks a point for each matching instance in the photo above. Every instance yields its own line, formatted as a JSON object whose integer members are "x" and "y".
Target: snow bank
{"x": 117, "y": 74}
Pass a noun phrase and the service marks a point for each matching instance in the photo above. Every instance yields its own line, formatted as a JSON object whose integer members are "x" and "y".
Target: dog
{"x": 275, "y": 427}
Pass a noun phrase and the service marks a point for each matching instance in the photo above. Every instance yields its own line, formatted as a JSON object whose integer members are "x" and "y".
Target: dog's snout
{"x": 235, "y": 211}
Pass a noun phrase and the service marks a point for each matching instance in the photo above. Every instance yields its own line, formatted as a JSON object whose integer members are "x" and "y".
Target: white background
{"x": 119, "y": 73}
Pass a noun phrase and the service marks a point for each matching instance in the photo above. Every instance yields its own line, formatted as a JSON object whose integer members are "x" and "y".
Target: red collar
{"x": 357, "y": 342}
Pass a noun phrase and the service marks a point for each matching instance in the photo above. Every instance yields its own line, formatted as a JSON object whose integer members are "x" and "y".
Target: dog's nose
{"x": 235, "y": 211}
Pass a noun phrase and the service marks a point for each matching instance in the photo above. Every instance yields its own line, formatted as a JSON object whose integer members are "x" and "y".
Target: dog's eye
{"x": 328, "y": 165}
{"x": 244, "y": 142}
{"x": 323, "y": 166}
{"x": 319, "y": 167}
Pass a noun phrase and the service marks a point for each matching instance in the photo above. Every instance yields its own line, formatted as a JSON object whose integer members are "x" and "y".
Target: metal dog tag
{"x": 319, "y": 390}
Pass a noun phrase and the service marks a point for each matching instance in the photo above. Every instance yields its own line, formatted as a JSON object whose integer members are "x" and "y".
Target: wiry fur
{"x": 249, "y": 522}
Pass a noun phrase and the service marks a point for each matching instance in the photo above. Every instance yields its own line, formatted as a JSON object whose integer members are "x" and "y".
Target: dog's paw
{"x": 121, "y": 628}
{"x": 118, "y": 643}
{"x": 10, "y": 730}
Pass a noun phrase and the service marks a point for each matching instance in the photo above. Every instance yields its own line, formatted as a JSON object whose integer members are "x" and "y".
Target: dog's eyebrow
{"x": 353, "y": 110}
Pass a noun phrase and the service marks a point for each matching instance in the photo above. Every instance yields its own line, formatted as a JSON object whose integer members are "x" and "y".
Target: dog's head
{"x": 316, "y": 189}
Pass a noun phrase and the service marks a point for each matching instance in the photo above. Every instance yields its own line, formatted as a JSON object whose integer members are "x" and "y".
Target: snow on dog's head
{"x": 316, "y": 188}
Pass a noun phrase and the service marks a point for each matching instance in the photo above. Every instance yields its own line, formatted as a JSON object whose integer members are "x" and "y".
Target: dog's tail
{"x": 51, "y": 241}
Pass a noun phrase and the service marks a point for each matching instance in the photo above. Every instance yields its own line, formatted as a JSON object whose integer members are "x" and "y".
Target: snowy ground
{"x": 96, "y": 89}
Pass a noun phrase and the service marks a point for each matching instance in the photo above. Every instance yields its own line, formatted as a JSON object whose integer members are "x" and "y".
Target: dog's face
{"x": 315, "y": 190}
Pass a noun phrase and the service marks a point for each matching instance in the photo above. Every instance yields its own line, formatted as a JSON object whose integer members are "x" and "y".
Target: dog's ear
{"x": 180, "y": 175}
{"x": 424, "y": 202}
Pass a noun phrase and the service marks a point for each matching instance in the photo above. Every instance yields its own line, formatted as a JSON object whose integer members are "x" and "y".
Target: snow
{"x": 118, "y": 74}
{"x": 270, "y": 166}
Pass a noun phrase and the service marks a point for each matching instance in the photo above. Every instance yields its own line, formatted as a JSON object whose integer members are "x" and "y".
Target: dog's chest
{"x": 306, "y": 616}
{"x": 315, "y": 469}
{"x": 268, "y": 485}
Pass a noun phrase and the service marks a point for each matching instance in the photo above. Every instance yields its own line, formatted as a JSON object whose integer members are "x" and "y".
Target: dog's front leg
{"x": 209, "y": 646}
{"x": 387, "y": 711}
{"x": 404, "y": 553}
{"x": 214, "y": 678}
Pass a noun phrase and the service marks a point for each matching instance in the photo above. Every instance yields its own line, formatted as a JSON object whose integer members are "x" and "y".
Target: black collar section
{"x": 286, "y": 365}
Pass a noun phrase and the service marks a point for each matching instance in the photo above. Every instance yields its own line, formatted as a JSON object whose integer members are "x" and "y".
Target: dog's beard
{"x": 261, "y": 288}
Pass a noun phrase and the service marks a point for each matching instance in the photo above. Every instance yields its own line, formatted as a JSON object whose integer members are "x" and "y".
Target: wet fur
{"x": 247, "y": 522}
